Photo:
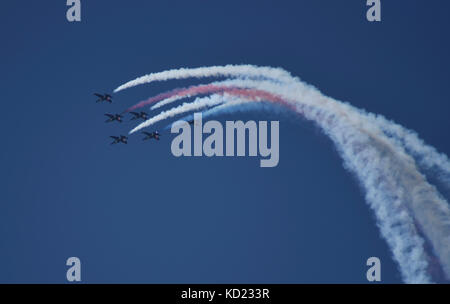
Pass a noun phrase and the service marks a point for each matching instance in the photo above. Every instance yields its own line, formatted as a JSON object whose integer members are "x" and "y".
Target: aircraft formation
{"x": 122, "y": 139}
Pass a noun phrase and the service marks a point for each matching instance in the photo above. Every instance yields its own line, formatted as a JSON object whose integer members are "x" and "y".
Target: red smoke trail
{"x": 181, "y": 92}
{"x": 256, "y": 95}
{"x": 252, "y": 94}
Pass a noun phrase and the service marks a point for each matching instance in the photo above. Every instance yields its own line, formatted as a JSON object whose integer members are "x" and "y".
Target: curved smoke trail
{"x": 181, "y": 93}
{"x": 211, "y": 88}
{"x": 377, "y": 151}
{"x": 216, "y": 87}
{"x": 244, "y": 71}
{"x": 197, "y": 104}
{"x": 427, "y": 156}
{"x": 169, "y": 97}
{"x": 177, "y": 94}
{"x": 237, "y": 105}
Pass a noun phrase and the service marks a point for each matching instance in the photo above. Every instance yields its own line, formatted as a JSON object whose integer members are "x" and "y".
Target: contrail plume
{"x": 244, "y": 71}
{"x": 384, "y": 157}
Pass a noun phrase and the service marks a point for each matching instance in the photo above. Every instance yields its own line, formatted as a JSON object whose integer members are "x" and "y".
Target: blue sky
{"x": 136, "y": 213}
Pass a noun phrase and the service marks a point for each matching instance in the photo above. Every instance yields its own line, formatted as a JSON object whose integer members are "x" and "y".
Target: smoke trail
{"x": 190, "y": 117}
{"x": 215, "y": 87}
{"x": 214, "y": 71}
{"x": 197, "y": 104}
{"x": 192, "y": 91}
{"x": 436, "y": 220}
{"x": 427, "y": 156}
{"x": 181, "y": 93}
{"x": 177, "y": 94}
{"x": 401, "y": 197}
{"x": 228, "y": 107}
{"x": 254, "y": 95}
{"x": 229, "y": 86}
{"x": 397, "y": 226}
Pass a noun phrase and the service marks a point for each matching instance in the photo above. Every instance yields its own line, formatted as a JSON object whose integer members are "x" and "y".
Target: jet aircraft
{"x": 119, "y": 139}
{"x": 151, "y": 135}
{"x": 136, "y": 115}
{"x": 104, "y": 97}
{"x": 113, "y": 117}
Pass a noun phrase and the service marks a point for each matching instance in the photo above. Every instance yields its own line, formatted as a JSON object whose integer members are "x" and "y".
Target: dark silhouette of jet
{"x": 104, "y": 97}
{"x": 136, "y": 115}
{"x": 113, "y": 117}
{"x": 119, "y": 139}
{"x": 149, "y": 135}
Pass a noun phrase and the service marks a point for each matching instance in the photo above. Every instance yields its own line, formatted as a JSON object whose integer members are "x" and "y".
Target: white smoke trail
{"x": 393, "y": 188}
{"x": 399, "y": 194}
{"x": 386, "y": 192}
{"x": 177, "y": 97}
{"x": 228, "y": 107}
{"x": 427, "y": 157}
{"x": 197, "y": 104}
{"x": 245, "y": 71}
{"x": 168, "y": 101}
